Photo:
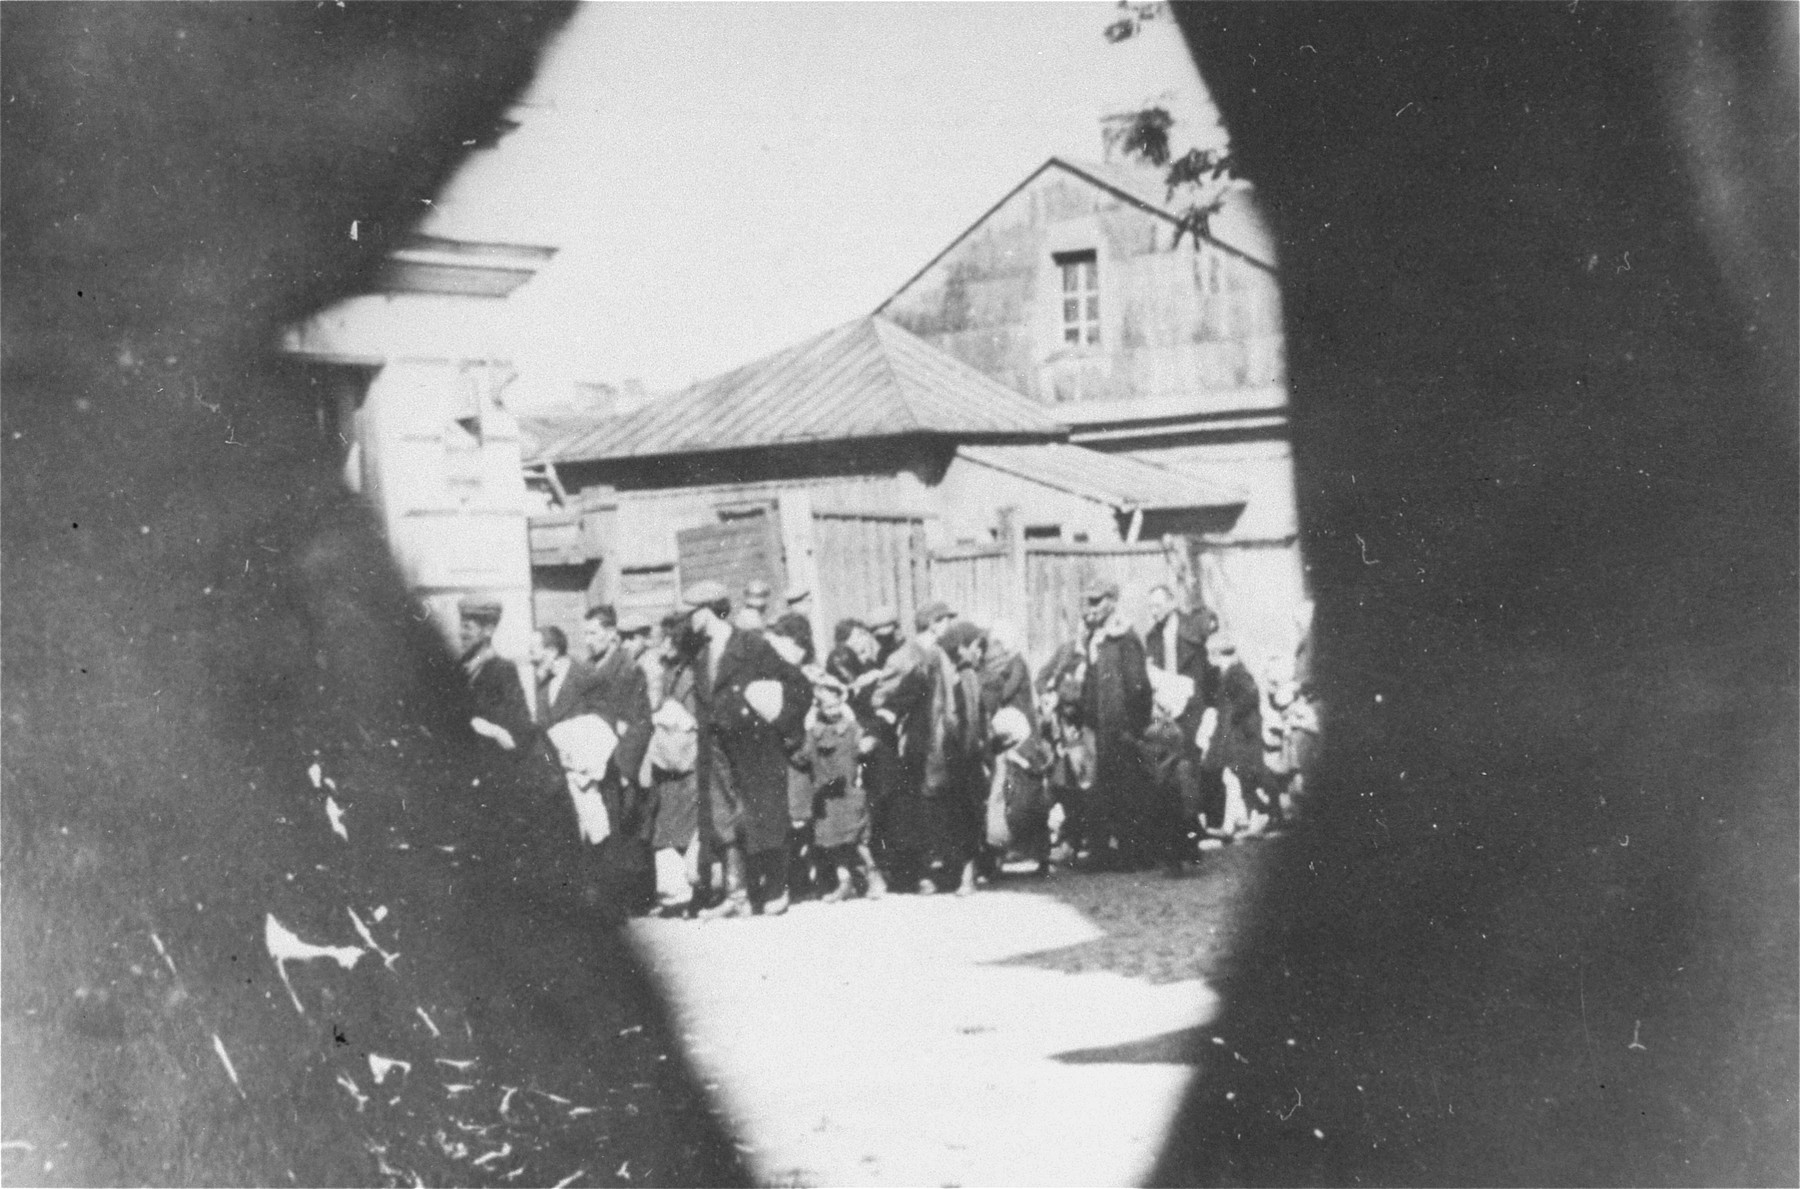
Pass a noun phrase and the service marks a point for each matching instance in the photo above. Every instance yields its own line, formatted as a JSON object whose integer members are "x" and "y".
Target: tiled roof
{"x": 865, "y": 379}
{"x": 1117, "y": 480}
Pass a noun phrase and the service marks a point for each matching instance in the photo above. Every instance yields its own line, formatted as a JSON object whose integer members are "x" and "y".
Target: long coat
{"x": 1237, "y": 741}
{"x": 570, "y": 696}
{"x": 916, "y": 687}
{"x": 616, "y": 690}
{"x": 1116, "y": 702}
{"x": 1189, "y": 660}
{"x": 674, "y": 787}
{"x": 742, "y": 763}
{"x": 499, "y": 697}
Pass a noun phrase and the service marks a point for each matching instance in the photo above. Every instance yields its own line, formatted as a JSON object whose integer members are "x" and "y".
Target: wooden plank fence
{"x": 863, "y": 560}
{"x": 1254, "y": 586}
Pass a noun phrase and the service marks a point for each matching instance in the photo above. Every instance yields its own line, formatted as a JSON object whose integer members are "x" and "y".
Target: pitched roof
{"x": 865, "y": 379}
{"x": 1132, "y": 185}
{"x": 1116, "y": 480}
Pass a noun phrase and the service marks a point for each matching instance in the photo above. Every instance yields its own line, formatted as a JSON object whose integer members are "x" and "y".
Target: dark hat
{"x": 704, "y": 593}
{"x": 758, "y": 593}
{"x": 480, "y": 608}
{"x": 883, "y": 617}
{"x": 932, "y": 613}
{"x": 959, "y": 635}
{"x": 1100, "y": 588}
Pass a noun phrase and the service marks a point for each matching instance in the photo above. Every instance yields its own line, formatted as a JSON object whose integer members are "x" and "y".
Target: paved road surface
{"x": 945, "y": 1041}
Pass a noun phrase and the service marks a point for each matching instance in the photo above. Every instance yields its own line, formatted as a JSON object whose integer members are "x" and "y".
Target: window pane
{"x": 1072, "y": 335}
{"x": 1071, "y": 309}
{"x": 1069, "y": 282}
{"x": 1093, "y": 335}
{"x": 1087, "y": 274}
{"x": 1093, "y": 307}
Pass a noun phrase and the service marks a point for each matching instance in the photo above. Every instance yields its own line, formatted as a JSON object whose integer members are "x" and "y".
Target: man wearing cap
{"x": 1117, "y": 701}
{"x": 501, "y": 712}
{"x": 796, "y": 623}
{"x": 884, "y": 625}
{"x": 636, "y": 636}
{"x": 751, "y": 705}
{"x": 753, "y": 615}
{"x": 914, "y": 696}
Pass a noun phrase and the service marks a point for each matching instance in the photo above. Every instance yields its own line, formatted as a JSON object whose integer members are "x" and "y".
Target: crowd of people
{"x": 715, "y": 767}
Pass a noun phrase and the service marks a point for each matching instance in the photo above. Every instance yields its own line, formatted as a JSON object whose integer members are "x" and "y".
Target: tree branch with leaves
{"x": 1196, "y": 179}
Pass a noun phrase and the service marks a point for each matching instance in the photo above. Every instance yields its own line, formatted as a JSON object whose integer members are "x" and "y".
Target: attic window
{"x": 1080, "y": 298}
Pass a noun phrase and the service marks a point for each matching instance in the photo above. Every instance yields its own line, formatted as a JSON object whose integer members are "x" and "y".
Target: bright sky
{"x": 725, "y": 180}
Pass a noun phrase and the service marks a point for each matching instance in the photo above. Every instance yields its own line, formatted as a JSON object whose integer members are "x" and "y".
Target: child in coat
{"x": 833, "y": 753}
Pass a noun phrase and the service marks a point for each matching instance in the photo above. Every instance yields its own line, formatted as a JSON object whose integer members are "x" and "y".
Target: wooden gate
{"x": 866, "y": 560}
{"x": 1057, "y": 577}
{"x": 734, "y": 552}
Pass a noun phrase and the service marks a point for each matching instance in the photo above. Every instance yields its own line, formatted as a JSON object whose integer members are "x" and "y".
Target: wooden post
{"x": 795, "y": 510}
{"x": 1017, "y": 597}
{"x": 599, "y": 540}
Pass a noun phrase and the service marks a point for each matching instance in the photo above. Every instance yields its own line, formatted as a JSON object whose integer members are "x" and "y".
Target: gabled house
{"x": 1077, "y": 290}
{"x": 834, "y": 465}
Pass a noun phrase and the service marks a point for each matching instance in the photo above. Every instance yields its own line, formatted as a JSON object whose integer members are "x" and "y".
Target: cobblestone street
{"x": 1040, "y": 1036}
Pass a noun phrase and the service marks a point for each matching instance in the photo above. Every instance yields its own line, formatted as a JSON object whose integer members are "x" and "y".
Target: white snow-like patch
{"x": 230, "y": 1070}
{"x": 286, "y": 946}
{"x": 380, "y": 1067}
{"x": 335, "y": 812}
{"x": 362, "y": 930}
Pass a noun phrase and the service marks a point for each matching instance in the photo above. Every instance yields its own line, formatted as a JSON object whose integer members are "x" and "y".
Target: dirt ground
{"x": 1042, "y": 1032}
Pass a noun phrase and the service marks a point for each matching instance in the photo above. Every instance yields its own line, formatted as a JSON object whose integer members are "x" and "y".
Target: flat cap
{"x": 931, "y": 613}
{"x": 1100, "y": 588}
{"x": 704, "y": 593}
{"x": 883, "y": 617}
{"x": 481, "y": 608}
{"x": 633, "y": 622}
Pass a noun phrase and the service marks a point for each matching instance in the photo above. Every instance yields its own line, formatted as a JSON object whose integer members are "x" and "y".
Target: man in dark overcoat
{"x": 913, "y": 697}
{"x": 502, "y": 715}
{"x": 1116, "y": 701}
{"x": 751, "y": 705}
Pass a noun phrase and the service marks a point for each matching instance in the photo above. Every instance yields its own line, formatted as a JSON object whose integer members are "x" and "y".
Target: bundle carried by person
{"x": 674, "y": 740}
{"x": 1019, "y": 797}
{"x": 585, "y": 745}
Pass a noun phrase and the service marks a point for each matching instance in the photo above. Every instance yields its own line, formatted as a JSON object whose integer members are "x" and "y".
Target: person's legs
{"x": 845, "y": 860}
{"x": 769, "y": 880}
{"x": 1237, "y": 811}
{"x": 737, "y": 890}
{"x": 802, "y": 860}
{"x": 876, "y": 880}
{"x": 673, "y": 891}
